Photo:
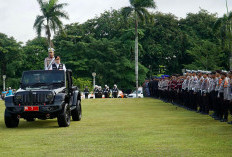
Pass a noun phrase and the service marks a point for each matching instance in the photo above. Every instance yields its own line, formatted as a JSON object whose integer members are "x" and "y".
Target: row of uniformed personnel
{"x": 98, "y": 92}
{"x": 198, "y": 91}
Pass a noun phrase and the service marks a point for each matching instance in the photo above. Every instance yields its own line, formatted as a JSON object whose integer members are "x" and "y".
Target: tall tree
{"x": 207, "y": 56}
{"x": 11, "y": 60}
{"x": 138, "y": 9}
{"x": 223, "y": 28}
{"x": 50, "y": 20}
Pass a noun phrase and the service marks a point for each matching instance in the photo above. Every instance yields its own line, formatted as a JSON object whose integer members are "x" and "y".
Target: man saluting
{"x": 49, "y": 60}
{"x": 57, "y": 65}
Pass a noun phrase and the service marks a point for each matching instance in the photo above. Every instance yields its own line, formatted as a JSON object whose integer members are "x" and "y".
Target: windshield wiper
{"x": 57, "y": 83}
{"x": 39, "y": 84}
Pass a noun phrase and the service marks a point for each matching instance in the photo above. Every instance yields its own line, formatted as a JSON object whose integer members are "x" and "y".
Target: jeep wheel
{"x": 11, "y": 121}
{"x": 77, "y": 112}
{"x": 64, "y": 118}
{"x": 30, "y": 119}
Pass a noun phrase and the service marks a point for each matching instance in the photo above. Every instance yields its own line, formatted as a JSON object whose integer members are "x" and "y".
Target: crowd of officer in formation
{"x": 200, "y": 91}
{"x": 99, "y": 92}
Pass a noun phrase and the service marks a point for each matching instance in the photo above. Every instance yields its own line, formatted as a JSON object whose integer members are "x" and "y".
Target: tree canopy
{"x": 105, "y": 45}
{"x": 50, "y": 19}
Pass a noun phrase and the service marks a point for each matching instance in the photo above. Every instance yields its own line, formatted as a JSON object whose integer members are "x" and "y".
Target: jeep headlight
{"x": 18, "y": 97}
{"x": 50, "y": 96}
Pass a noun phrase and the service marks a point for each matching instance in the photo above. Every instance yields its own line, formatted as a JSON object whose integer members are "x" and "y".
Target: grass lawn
{"x": 120, "y": 127}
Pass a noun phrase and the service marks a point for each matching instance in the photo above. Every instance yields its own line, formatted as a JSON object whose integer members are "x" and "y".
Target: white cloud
{"x": 17, "y": 16}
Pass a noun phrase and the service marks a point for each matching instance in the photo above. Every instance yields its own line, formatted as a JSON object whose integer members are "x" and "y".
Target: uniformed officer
{"x": 213, "y": 94}
{"x": 221, "y": 96}
{"x": 198, "y": 90}
{"x": 100, "y": 92}
{"x": 96, "y": 91}
{"x": 115, "y": 91}
{"x": 57, "y": 65}
{"x": 86, "y": 91}
{"x": 194, "y": 89}
{"x": 184, "y": 88}
{"x": 218, "y": 82}
{"x": 225, "y": 106}
{"x": 179, "y": 90}
{"x": 50, "y": 59}
{"x": 190, "y": 90}
{"x": 165, "y": 89}
{"x": 106, "y": 91}
{"x": 204, "y": 108}
{"x": 155, "y": 85}
{"x": 187, "y": 95}
{"x": 230, "y": 95}
{"x": 173, "y": 87}
{"x": 211, "y": 85}
{"x": 169, "y": 91}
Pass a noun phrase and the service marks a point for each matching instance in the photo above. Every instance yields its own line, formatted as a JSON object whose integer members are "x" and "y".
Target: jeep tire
{"x": 11, "y": 120}
{"x": 77, "y": 112}
{"x": 64, "y": 117}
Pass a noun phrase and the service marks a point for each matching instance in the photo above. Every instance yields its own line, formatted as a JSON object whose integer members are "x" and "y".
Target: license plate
{"x": 31, "y": 108}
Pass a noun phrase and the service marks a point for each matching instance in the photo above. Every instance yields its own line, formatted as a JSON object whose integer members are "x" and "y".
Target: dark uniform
{"x": 86, "y": 91}
{"x": 173, "y": 90}
{"x": 115, "y": 92}
{"x": 96, "y": 90}
{"x": 106, "y": 92}
{"x": 58, "y": 67}
{"x": 100, "y": 92}
{"x": 179, "y": 89}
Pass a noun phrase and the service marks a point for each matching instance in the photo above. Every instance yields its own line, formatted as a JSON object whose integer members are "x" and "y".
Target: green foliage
{"x": 138, "y": 9}
{"x": 106, "y": 45}
{"x": 222, "y": 29}
{"x": 11, "y": 57}
{"x": 35, "y": 52}
{"x": 51, "y": 18}
{"x": 82, "y": 82}
{"x": 14, "y": 83}
{"x": 206, "y": 55}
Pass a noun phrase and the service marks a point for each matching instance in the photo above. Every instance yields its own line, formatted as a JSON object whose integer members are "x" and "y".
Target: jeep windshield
{"x": 43, "y": 79}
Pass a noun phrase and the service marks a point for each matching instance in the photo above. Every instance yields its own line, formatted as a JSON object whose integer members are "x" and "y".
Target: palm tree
{"x": 50, "y": 19}
{"x": 138, "y": 9}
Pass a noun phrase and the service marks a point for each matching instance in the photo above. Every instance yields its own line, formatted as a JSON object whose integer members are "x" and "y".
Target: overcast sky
{"x": 17, "y": 16}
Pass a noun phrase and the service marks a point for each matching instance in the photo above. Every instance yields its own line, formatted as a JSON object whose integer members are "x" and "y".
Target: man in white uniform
{"x": 50, "y": 59}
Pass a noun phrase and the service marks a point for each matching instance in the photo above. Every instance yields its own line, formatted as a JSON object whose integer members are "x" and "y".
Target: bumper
{"x": 51, "y": 110}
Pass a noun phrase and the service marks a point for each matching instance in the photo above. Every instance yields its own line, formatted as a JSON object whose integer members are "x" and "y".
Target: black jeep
{"x": 44, "y": 95}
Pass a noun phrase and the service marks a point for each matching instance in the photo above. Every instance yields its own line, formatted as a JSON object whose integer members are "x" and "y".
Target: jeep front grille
{"x": 33, "y": 99}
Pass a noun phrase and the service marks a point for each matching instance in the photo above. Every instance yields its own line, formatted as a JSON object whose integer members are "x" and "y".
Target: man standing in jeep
{"x": 57, "y": 65}
{"x": 50, "y": 59}
{"x": 44, "y": 94}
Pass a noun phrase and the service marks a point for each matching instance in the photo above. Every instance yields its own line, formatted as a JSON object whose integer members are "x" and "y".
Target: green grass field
{"x": 120, "y": 127}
